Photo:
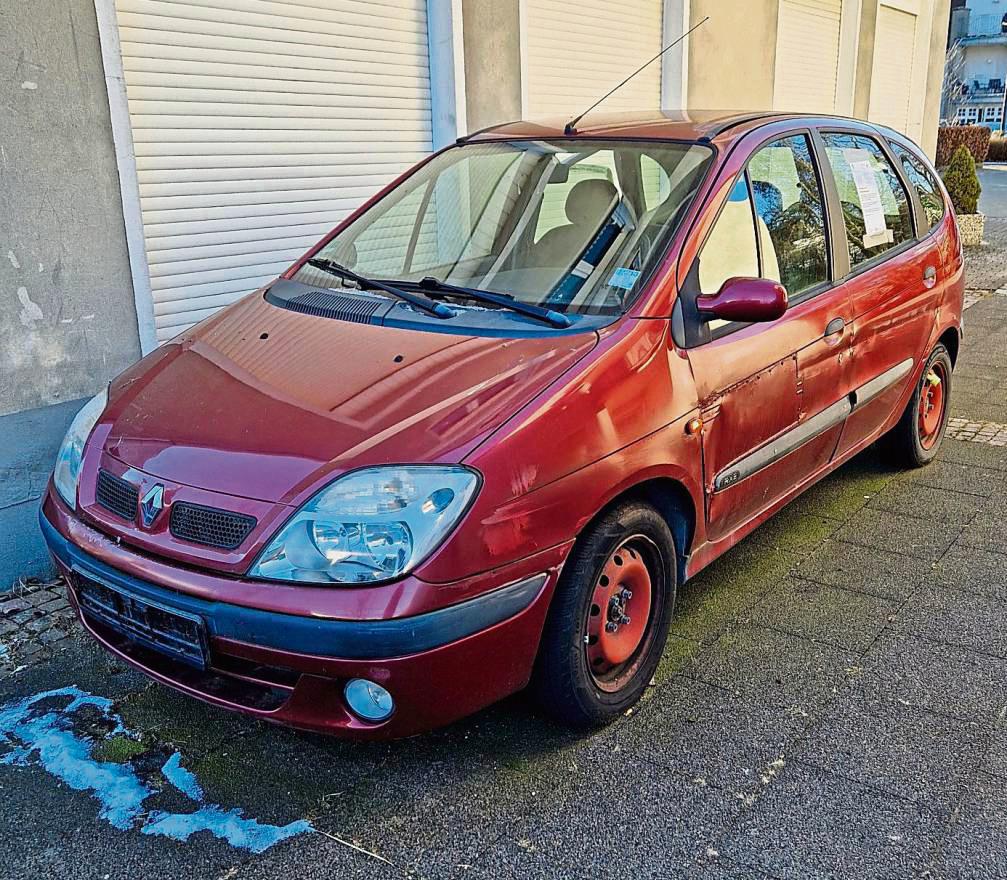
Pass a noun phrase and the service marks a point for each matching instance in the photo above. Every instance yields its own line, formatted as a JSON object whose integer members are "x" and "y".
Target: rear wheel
{"x": 609, "y": 619}
{"x": 915, "y": 440}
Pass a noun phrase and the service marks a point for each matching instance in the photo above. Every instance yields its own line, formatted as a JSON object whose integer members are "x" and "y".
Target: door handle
{"x": 929, "y": 277}
{"x": 834, "y": 329}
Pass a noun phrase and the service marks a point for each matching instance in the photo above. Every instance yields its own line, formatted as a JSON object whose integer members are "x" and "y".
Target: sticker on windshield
{"x": 624, "y": 278}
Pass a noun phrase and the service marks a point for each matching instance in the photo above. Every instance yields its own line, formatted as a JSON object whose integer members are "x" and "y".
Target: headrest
{"x": 589, "y": 200}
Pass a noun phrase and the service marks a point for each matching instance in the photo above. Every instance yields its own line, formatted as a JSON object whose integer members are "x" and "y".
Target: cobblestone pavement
{"x": 35, "y": 618}
{"x": 832, "y": 703}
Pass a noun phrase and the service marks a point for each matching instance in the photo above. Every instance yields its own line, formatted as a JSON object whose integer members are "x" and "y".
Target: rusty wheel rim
{"x": 933, "y": 398}
{"x": 619, "y": 616}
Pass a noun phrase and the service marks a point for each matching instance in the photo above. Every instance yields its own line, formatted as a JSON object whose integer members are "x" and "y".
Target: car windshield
{"x": 572, "y": 225}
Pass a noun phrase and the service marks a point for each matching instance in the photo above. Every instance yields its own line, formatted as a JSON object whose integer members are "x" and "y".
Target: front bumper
{"x": 439, "y": 665}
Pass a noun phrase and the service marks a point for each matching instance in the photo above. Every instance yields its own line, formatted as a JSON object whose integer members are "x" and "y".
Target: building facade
{"x": 162, "y": 158}
{"x": 980, "y": 29}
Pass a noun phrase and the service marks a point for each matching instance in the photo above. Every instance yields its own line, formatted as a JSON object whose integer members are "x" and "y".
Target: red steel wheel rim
{"x": 933, "y": 397}
{"x": 619, "y": 616}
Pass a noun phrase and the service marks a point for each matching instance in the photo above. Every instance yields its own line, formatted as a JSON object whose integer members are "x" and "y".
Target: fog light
{"x": 368, "y": 700}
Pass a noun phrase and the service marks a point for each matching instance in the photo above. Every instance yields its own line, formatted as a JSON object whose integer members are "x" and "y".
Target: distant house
{"x": 980, "y": 27}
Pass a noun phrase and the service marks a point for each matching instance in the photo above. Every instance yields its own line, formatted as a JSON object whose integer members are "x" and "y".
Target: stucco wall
{"x": 492, "y": 31}
{"x": 865, "y": 59}
{"x": 935, "y": 77}
{"x": 732, "y": 58}
{"x": 67, "y": 317}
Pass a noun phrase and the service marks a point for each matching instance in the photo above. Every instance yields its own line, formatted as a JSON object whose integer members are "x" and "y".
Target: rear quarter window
{"x": 923, "y": 181}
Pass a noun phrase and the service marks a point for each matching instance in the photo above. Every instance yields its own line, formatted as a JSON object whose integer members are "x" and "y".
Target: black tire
{"x": 905, "y": 445}
{"x": 563, "y": 682}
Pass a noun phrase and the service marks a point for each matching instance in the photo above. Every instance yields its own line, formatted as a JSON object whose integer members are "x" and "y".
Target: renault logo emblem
{"x": 151, "y": 505}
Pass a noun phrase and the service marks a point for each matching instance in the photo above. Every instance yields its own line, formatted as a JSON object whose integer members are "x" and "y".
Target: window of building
{"x": 968, "y": 115}
{"x": 790, "y": 214}
{"x": 993, "y": 114}
{"x": 875, "y": 205}
{"x": 924, "y": 183}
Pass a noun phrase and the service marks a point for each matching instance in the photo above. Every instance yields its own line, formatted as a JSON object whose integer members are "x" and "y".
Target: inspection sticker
{"x": 624, "y": 278}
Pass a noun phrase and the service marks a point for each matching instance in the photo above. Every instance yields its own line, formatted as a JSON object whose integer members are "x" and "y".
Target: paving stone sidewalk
{"x": 832, "y": 703}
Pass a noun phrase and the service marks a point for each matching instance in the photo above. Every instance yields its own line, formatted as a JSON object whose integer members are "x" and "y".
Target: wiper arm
{"x": 428, "y": 305}
{"x": 550, "y": 316}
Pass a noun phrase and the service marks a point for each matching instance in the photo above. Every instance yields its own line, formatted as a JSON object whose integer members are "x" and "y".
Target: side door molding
{"x": 865, "y": 393}
{"x": 783, "y": 445}
{"x": 808, "y": 430}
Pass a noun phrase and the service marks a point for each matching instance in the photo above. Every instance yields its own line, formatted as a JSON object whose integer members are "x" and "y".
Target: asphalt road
{"x": 832, "y": 704}
{"x": 993, "y": 199}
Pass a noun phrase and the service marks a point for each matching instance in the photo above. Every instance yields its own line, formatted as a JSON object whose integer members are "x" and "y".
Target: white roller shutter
{"x": 807, "y": 55}
{"x": 257, "y": 125}
{"x": 575, "y": 52}
{"x": 892, "y": 75}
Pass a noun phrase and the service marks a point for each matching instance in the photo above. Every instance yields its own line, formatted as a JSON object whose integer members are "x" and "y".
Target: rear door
{"x": 892, "y": 277}
{"x": 773, "y": 396}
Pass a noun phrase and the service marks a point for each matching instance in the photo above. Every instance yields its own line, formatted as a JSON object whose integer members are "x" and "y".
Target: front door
{"x": 773, "y": 396}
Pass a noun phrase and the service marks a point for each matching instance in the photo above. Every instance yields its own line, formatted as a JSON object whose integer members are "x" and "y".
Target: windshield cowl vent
{"x": 326, "y": 303}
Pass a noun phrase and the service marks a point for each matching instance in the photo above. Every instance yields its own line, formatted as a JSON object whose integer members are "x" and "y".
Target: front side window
{"x": 875, "y": 206}
{"x": 730, "y": 250}
{"x": 570, "y": 224}
{"x": 924, "y": 183}
{"x": 791, "y": 214}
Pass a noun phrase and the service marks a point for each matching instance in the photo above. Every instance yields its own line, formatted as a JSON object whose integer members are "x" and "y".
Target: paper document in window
{"x": 869, "y": 195}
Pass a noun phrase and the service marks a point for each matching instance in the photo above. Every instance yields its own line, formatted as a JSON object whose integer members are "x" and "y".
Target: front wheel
{"x": 609, "y": 620}
{"x": 915, "y": 440}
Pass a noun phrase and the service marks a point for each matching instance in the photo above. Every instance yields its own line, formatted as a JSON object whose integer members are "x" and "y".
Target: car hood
{"x": 262, "y": 403}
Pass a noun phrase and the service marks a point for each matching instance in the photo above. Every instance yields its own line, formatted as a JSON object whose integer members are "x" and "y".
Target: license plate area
{"x": 175, "y": 633}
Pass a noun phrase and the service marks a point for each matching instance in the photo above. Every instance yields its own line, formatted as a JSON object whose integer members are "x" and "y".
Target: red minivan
{"x": 477, "y": 437}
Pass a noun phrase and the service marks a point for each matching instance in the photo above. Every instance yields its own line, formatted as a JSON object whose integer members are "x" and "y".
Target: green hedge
{"x": 976, "y": 138}
{"x": 998, "y": 150}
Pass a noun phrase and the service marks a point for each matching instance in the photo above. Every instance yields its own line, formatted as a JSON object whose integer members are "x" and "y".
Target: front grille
{"x": 209, "y": 526}
{"x": 117, "y": 495}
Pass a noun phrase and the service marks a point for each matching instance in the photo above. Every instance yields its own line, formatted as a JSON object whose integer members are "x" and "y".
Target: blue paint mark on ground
{"x": 39, "y": 731}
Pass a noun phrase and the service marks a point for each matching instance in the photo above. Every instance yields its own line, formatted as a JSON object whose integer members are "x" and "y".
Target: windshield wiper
{"x": 557, "y": 319}
{"x": 437, "y": 309}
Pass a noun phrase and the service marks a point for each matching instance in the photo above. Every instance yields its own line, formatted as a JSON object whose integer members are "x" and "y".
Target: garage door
{"x": 257, "y": 125}
{"x": 892, "y": 76}
{"x": 576, "y": 52}
{"x": 807, "y": 55}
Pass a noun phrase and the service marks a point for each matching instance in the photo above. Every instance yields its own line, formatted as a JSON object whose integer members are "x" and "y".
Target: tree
{"x": 953, "y": 89}
{"x": 962, "y": 182}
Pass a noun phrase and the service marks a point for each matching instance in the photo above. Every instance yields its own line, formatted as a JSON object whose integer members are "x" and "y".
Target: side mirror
{"x": 746, "y": 300}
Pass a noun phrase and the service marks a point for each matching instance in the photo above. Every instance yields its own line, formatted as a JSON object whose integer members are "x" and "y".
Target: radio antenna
{"x": 571, "y": 127}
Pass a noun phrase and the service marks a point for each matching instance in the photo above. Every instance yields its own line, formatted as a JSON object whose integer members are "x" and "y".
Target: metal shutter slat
{"x": 892, "y": 76}
{"x": 258, "y": 125}
{"x": 576, "y": 54}
{"x": 807, "y": 55}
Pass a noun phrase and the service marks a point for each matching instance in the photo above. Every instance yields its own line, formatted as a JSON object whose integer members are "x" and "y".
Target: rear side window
{"x": 790, "y": 214}
{"x": 924, "y": 183}
{"x": 875, "y": 205}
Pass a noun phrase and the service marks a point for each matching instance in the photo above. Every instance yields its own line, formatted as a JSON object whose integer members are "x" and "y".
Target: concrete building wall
{"x": 985, "y": 61}
{"x": 732, "y": 58}
{"x": 67, "y": 315}
{"x": 493, "y": 78}
{"x": 865, "y": 60}
{"x": 935, "y": 76}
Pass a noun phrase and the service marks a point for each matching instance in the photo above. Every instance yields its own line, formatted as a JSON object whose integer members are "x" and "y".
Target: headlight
{"x": 370, "y": 525}
{"x": 67, "y": 470}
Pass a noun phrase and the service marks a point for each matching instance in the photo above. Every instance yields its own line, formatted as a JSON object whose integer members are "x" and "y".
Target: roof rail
{"x": 465, "y": 137}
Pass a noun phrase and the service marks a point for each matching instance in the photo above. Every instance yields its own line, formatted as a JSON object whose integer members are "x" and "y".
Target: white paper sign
{"x": 870, "y": 197}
